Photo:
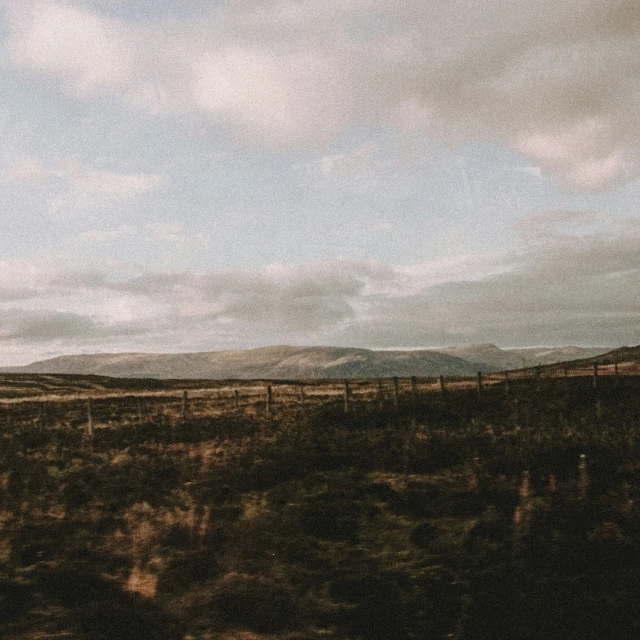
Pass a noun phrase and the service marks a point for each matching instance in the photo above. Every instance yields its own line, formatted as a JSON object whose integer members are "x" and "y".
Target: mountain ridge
{"x": 290, "y": 362}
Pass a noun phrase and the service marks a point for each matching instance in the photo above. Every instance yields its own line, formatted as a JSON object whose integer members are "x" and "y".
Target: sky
{"x": 200, "y": 175}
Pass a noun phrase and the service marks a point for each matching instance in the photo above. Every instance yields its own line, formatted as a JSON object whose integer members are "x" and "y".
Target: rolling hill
{"x": 286, "y": 362}
{"x": 627, "y": 359}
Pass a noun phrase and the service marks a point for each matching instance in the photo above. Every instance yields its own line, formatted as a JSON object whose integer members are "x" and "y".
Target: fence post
{"x": 443, "y": 389}
{"x": 236, "y": 398}
{"x": 479, "y": 383}
{"x": 583, "y": 477}
{"x": 409, "y": 434}
{"x": 507, "y": 390}
{"x": 538, "y": 383}
{"x": 185, "y": 405}
{"x": 595, "y": 375}
{"x": 615, "y": 368}
{"x": 346, "y": 396}
{"x": 301, "y": 394}
{"x": 269, "y": 399}
{"x": 89, "y": 418}
{"x": 414, "y": 392}
{"x": 380, "y": 394}
{"x": 395, "y": 391}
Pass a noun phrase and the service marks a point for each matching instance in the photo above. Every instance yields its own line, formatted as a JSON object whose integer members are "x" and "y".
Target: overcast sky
{"x": 190, "y": 175}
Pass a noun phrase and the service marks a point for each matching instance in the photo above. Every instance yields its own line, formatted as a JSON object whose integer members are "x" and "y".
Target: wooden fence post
{"x": 395, "y": 391}
{"x": 236, "y": 398}
{"x": 89, "y": 418}
{"x": 479, "y": 382}
{"x": 615, "y": 368}
{"x": 507, "y": 390}
{"x": 269, "y": 399}
{"x": 414, "y": 392}
{"x": 583, "y": 477}
{"x": 380, "y": 394}
{"x": 595, "y": 375}
{"x": 538, "y": 383}
{"x": 185, "y": 405}
{"x": 443, "y": 388}
{"x": 406, "y": 446}
{"x": 346, "y": 396}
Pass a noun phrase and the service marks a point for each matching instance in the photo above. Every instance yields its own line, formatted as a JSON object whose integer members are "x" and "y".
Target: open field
{"x": 128, "y": 510}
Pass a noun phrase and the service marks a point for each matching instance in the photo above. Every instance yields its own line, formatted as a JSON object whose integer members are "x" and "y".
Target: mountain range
{"x": 286, "y": 362}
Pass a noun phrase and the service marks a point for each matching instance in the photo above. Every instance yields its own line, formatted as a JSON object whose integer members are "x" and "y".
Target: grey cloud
{"x": 584, "y": 289}
{"x": 75, "y": 279}
{"x": 556, "y": 80}
{"x": 43, "y": 326}
{"x": 294, "y": 299}
{"x": 48, "y": 282}
{"x": 12, "y": 294}
{"x": 71, "y": 331}
{"x": 337, "y": 277}
{"x": 581, "y": 289}
{"x": 297, "y": 314}
{"x": 547, "y": 225}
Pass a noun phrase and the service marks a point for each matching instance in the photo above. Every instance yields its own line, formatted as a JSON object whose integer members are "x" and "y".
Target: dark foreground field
{"x": 507, "y": 514}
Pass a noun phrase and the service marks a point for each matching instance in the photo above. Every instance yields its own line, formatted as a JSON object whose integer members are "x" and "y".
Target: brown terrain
{"x": 300, "y": 509}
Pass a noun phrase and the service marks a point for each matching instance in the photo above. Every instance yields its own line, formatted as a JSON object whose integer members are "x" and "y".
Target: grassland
{"x": 507, "y": 513}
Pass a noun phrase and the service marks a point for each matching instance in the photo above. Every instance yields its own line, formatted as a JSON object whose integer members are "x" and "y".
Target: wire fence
{"x": 108, "y": 407}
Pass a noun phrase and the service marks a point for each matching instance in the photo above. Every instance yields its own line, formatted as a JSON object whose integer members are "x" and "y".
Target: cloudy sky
{"x": 188, "y": 175}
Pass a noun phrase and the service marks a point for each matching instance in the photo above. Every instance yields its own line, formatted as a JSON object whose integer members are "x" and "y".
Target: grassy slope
{"x": 463, "y": 517}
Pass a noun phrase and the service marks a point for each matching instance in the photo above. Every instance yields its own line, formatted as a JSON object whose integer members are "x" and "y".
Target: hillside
{"x": 626, "y": 358}
{"x": 285, "y": 362}
{"x": 492, "y": 358}
{"x": 270, "y": 362}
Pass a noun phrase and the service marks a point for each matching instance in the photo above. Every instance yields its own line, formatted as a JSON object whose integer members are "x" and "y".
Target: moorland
{"x": 501, "y": 507}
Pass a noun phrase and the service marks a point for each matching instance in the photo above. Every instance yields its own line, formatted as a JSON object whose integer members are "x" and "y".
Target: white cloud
{"x": 357, "y": 162}
{"x": 82, "y": 188}
{"x": 99, "y": 235}
{"x": 581, "y": 156}
{"x": 555, "y": 80}
{"x": 278, "y": 98}
{"x": 113, "y": 185}
{"x": 30, "y": 171}
{"x": 167, "y": 231}
{"x": 86, "y": 51}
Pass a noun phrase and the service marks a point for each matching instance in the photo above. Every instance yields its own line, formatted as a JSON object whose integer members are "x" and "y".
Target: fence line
{"x": 181, "y": 404}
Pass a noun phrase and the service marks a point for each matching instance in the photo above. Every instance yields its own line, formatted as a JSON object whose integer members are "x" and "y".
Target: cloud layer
{"x": 558, "y": 81}
{"x": 73, "y": 187}
{"x": 580, "y": 286}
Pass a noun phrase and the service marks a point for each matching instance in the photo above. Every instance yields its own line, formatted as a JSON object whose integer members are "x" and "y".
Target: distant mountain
{"x": 495, "y": 359}
{"x": 269, "y": 362}
{"x": 487, "y": 356}
{"x": 285, "y": 362}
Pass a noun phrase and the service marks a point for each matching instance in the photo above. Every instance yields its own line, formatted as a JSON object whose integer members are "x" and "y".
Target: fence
{"x": 108, "y": 407}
